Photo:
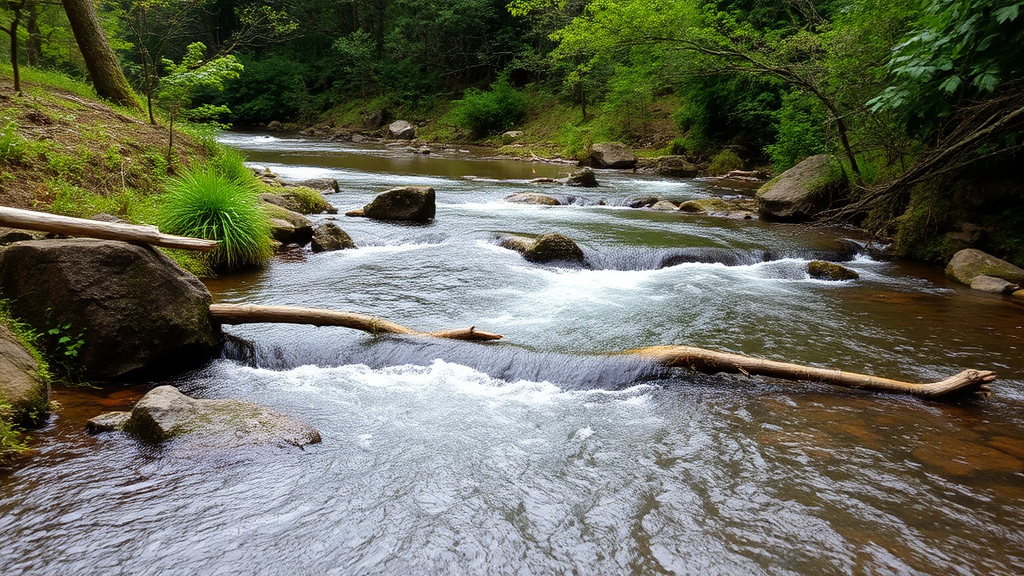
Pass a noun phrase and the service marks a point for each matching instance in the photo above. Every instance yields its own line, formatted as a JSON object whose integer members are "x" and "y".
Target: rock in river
{"x": 128, "y": 308}
{"x": 328, "y": 237}
{"x": 545, "y": 248}
{"x": 798, "y": 194}
{"x": 611, "y": 155}
{"x": 165, "y": 414}
{"x": 829, "y": 271}
{"x": 410, "y": 203}
{"x": 969, "y": 263}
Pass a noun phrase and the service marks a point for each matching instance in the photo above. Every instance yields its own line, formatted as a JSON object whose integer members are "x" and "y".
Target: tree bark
{"x": 711, "y": 362}
{"x": 248, "y": 314}
{"x": 104, "y": 69}
{"x": 688, "y": 357}
{"x": 30, "y": 220}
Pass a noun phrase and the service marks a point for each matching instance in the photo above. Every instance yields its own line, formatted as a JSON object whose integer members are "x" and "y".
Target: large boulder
{"x": 24, "y": 391}
{"x": 125, "y": 308}
{"x": 545, "y": 248}
{"x": 532, "y": 198}
{"x": 676, "y": 167}
{"x": 798, "y": 194}
{"x": 328, "y": 237}
{"x": 410, "y": 203}
{"x": 165, "y": 414}
{"x": 584, "y": 178}
{"x": 401, "y": 130}
{"x": 663, "y": 206}
{"x": 611, "y": 155}
{"x": 969, "y": 263}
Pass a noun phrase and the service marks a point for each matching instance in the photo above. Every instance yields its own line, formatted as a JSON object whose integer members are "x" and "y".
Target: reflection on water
{"x": 536, "y": 454}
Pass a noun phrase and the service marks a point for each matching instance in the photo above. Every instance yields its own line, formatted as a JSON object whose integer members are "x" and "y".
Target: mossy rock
{"x": 328, "y": 237}
{"x": 705, "y": 205}
{"x": 553, "y": 248}
{"x": 532, "y": 198}
{"x": 822, "y": 270}
{"x": 24, "y": 385}
{"x": 968, "y": 264}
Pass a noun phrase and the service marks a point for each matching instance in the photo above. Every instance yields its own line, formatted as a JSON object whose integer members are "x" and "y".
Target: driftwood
{"x": 688, "y": 357}
{"x": 711, "y": 362}
{"x": 248, "y": 314}
{"x": 41, "y": 221}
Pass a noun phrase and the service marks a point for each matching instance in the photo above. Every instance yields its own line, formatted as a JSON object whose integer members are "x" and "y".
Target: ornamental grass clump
{"x": 204, "y": 203}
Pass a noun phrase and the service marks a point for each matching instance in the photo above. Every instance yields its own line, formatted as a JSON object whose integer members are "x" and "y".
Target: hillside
{"x": 64, "y": 151}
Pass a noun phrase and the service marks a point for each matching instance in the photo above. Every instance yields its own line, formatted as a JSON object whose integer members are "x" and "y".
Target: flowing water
{"x": 538, "y": 454}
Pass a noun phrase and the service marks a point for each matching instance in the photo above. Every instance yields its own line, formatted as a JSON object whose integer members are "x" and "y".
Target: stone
{"x": 513, "y": 134}
{"x": 12, "y": 235}
{"x": 328, "y": 237}
{"x": 133, "y": 309}
{"x": 611, "y": 155}
{"x": 545, "y": 248}
{"x": 663, "y": 206}
{"x": 798, "y": 194}
{"x": 274, "y": 125}
{"x": 323, "y": 185}
{"x": 166, "y": 414}
{"x": 107, "y": 422}
{"x": 641, "y": 201}
{"x": 376, "y": 119}
{"x": 408, "y": 203}
{"x": 401, "y": 130}
{"x": 1018, "y": 294}
{"x": 286, "y": 201}
{"x": 992, "y": 284}
{"x": 583, "y": 178}
{"x": 532, "y": 198}
{"x": 705, "y": 206}
{"x": 676, "y": 167}
{"x": 23, "y": 389}
{"x": 969, "y": 263}
{"x": 288, "y": 227}
{"x": 822, "y": 270}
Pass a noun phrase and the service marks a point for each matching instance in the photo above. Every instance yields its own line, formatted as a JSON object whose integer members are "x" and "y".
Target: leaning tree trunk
{"x": 103, "y": 67}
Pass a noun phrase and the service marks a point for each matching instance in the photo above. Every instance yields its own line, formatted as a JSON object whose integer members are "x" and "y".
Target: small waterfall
{"x": 646, "y": 258}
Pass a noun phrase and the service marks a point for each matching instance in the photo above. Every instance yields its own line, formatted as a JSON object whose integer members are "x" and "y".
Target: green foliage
{"x": 203, "y": 203}
{"x": 311, "y": 201}
{"x": 62, "y": 345}
{"x": 724, "y": 162}
{"x": 491, "y": 112}
{"x": 801, "y": 132}
{"x": 13, "y": 148}
{"x": 960, "y": 49}
{"x": 12, "y": 442}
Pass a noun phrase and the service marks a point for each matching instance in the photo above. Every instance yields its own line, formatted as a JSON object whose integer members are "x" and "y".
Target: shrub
{"x": 486, "y": 113}
{"x": 13, "y": 148}
{"x": 203, "y": 203}
{"x": 724, "y": 162}
{"x": 801, "y": 126}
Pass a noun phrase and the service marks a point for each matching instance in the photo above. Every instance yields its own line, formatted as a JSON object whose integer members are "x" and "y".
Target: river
{"x": 538, "y": 454}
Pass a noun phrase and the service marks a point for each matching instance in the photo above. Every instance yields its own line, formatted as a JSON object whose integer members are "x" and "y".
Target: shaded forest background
{"x": 921, "y": 102}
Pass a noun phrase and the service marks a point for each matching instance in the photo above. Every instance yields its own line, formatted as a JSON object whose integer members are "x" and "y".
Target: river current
{"x": 541, "y": 453}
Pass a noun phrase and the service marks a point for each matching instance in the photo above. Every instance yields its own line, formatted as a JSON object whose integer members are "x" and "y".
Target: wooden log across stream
{"x": 687, "y": 357}
{"x": 44, "y": 222}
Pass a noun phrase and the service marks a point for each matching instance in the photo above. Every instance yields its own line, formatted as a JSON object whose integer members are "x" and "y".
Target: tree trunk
{"x": 13, "y": 33}
{"x": 104, "y": 70}
{"x": 34, "y": 46}
{"x": 688, "y": 357}
{"x": 30, "y": 220}
{"x": 249, "y": 314}
{"x": 711, "y": 362}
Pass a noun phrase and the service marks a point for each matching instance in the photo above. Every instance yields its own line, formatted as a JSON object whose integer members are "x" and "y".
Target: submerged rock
{"x": 127, "y": 308}
{"x": 705, "y": 205}
{"x": 664, "y": 206}
{"x": 611, "y": 155}
{"x": 798, "y": 194}
{"x": 968, "y": 264}
{"x": 532, "y": 198}
{"x": 165, "y": 414}
{"x": 641, "y": 201}
{"x": 830, "y": 271}
{"x": 328, "y": 237}
{"x": 409, "y": 203}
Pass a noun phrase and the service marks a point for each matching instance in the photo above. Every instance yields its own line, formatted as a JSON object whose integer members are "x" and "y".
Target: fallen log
{"x": 712, "y": 362}
{"x": 43, "y": 222}
{"x": 249, "y": 314}
{"x": 688, "y": 357}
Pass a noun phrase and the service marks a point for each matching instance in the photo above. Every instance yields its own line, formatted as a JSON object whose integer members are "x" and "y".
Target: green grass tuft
{"x": 203, "y": 203}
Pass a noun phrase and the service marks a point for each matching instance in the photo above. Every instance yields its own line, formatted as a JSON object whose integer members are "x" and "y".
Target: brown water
{"x": 537, "y": 455}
